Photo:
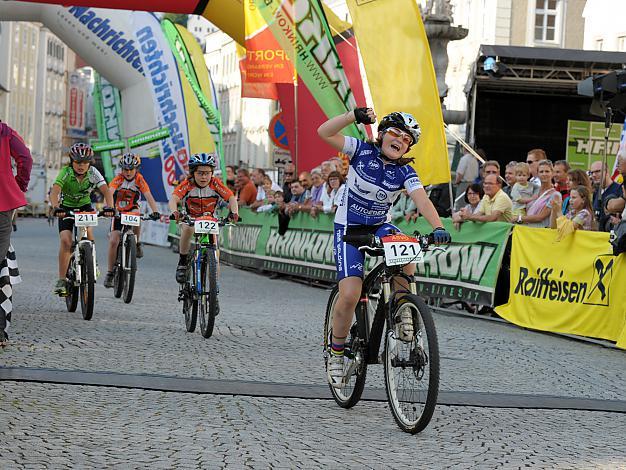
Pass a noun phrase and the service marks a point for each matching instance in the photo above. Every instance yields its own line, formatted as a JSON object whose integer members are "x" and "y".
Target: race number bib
{"x": 86, "y": 219}
{"x": 206, "y": 225}
{"x": 131, "y": 218}
{"x": 401, "y": 249}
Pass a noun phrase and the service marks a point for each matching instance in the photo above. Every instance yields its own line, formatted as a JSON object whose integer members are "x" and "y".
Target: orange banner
{"x": 265, "y": 60}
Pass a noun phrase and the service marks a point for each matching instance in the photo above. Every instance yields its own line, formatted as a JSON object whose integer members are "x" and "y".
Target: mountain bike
{"x": 81, "y": 271}
{"x": 411, "y": 366}
{"x": 200, "y": 291}
{"x": 126, "y": 259}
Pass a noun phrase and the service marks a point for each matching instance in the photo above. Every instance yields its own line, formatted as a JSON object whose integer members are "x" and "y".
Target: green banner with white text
{"x": 466, "y": 270}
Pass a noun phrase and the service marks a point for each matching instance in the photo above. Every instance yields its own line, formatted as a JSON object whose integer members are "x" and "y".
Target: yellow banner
{"x": 573, "y": 286}
{"x": 401, "y": 76}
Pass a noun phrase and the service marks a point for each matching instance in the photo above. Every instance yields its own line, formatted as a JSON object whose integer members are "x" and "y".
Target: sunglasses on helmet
{"x": 397, "y": 133}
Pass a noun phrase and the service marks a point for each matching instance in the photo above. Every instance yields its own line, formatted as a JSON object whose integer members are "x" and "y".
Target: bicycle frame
{"x": 127, "y": 230}
{"x": 201, "y": 242}
{"x": 80, "y": 239}
{"x": 371, "y": 337}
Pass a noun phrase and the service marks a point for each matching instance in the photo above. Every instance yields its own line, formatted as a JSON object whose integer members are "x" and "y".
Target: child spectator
{"x": 523, "y": 191}
{"x": 579, "y": 216}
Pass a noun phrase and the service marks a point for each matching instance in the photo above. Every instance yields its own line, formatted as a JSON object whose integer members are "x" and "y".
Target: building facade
{"x": 529, "y": 23}
{"x": 605, "y": 28}
{"x": 34, "y": 66}
{"x": 244, "y": 120}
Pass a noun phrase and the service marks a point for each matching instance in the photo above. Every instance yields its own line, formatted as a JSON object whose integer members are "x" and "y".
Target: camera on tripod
{"x": 607, "y": 90}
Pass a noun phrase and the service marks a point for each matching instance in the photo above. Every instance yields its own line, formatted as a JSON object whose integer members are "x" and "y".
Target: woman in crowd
{"x": 580, "y": 211}
{"x": 473, "y": 194}
{"x": 332, "y": 192}
{"x": 575, "y": 178}
{"x": 538, "y": 211}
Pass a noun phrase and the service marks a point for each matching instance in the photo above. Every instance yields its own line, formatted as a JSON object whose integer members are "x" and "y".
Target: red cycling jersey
{"x": 127, "y": 193}
{"x": 202, "y": 201}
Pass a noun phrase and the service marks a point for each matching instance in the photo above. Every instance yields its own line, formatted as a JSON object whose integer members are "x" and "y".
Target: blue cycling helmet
{"x": 201, "y": 159}
{"x": 129, "y": 161}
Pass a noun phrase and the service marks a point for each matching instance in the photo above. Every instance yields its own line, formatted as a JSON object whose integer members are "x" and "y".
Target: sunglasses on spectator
{"x": 530, "y": 161}
{"x": 302, "y": 181}
{"x": 395, "y": 132}
{"x": 289, "y": 172}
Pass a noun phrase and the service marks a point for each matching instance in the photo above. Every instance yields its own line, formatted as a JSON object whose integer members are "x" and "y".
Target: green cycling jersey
{"x": 75, "y": 193}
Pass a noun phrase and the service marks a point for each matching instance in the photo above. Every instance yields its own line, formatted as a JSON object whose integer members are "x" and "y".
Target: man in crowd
{"x": 561, "y": 167}
{"x": 466, "y": 172}
{"x": 533, "y": 158}
{"x": 306, "y": 180}
{"x": 247, "y": 189}
{"x": 326, "y": 168}
{"x": 490, "y": 167}
{"x": 300, "y": 199}
{"x": 617, "y": 204}
{"x": 509, "y": 177}
{"x": 289, "y": 174}
{"x": 494, "y": 206}
{"x": 602, "y": 192}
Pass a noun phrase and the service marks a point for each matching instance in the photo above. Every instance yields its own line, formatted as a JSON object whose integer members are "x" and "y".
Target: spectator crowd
{"x": 535, "y": 192}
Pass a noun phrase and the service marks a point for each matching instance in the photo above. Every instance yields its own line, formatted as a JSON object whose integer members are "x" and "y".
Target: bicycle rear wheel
{"x": 350, "y": 394}
{"x": 412, "y": 368}
{"x": 131, "y": 268}
{"x": 209, "y": 305}
{"x": 71, "y": 300}
{"x": 87, "y": 282}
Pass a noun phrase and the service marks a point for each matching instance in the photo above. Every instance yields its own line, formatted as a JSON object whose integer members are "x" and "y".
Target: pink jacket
{"x": 13, "y": 187}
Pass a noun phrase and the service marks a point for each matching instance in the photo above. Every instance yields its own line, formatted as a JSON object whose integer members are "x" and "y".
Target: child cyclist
{"x": 71, "y": 191}
{"x": 199, "y": 194}
{"x": 378, "y": 172}
{"x": 127, "y": 187}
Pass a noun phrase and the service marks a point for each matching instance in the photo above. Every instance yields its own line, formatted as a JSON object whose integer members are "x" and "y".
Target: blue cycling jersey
{"x": 372, "y": 185}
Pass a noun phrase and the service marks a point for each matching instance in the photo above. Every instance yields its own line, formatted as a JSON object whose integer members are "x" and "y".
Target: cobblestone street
{"x": 269, "y": 331}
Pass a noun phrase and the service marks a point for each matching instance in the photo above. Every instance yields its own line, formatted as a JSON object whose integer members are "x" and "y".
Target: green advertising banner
{"x": 148, "y": 137}
{"x": 466, "y": 270}
{"x": 108, "y": 111}
{"x": 301, "y": 29}
{"x": 585, "y": 143}
{"x": 104, "y": 146}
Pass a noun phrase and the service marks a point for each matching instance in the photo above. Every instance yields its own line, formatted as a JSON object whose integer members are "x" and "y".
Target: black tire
{"x": 118, "y": 274}
{"x": 131, "y": 268}
{"x": 87, "y": 283}
{"x": 350, "y": 394}
{"x": 71, "y": 300}
{"x": 209, "y": 304}
{"x": 412, "y": 368}
{"x": 190, "y": 304}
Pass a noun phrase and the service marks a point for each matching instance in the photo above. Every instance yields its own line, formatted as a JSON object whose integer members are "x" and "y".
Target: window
{"x": 547, "y": 17}
{"x": 598, "y": 45}
{"x": 621, "y": 43}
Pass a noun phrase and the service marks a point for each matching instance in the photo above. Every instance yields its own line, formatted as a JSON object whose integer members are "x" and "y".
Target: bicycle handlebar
{"x": 71, "y": 214}
{"x": 187, "y": 219}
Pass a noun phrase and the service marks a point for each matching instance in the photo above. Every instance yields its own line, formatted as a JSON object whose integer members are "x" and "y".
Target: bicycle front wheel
{"x": 355, "y": 365}
{"x": 209, "y": 305}
{"x": 71, "y": 300}
{"x": 118, "y": 274}
{"x": 190, "y": 303}
{"x": 130, "y": 265}
{"x": 412, "y": 368}
{"x": 87, "y": 282}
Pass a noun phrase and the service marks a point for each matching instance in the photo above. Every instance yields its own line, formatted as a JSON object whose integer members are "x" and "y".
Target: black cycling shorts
{"x": 67, "y": 223}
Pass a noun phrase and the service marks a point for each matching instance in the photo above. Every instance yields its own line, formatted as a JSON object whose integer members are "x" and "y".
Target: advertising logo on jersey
{"x": 373, "y": 165}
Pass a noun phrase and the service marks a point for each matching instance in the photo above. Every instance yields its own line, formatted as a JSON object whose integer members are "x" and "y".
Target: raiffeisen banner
{"x": 162, "y": 74}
